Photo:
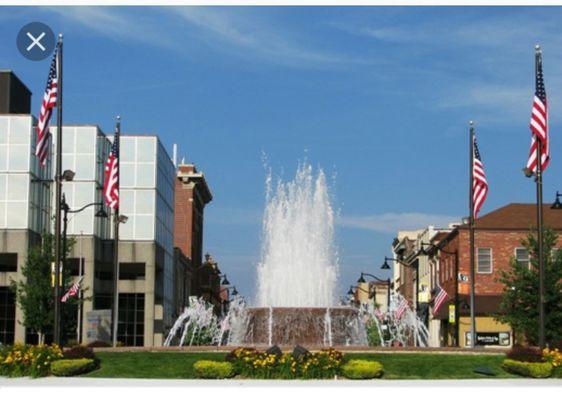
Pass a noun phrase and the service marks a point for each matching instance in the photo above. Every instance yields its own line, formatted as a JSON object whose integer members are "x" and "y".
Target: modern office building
{"x": 24, "y": 199}
{"x": 156, "y": 273}
{"x": 85, "y": 149}
{"x": 146, "y": 247}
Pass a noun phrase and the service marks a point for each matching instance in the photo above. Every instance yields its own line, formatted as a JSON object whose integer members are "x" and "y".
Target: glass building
{"x": 24, "y": 212}
{"x": 146, "y": 246}
{"x": 146, "y": 249}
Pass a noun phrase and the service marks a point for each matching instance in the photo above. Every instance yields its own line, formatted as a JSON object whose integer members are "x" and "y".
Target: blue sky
{"x": 379, "y": 97}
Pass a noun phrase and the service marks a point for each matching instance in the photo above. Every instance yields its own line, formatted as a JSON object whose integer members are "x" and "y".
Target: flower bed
{"x": 251, "y": 363}
{"x": 27, "y": 360}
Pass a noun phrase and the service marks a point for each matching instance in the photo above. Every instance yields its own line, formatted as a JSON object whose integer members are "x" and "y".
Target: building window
{"x": 72, "y": 266}
{"x": 484, "y": 258}
{"x": 131, "y": 271}
{"x": 8, "y": 262}
{"x": 7, "y": 315}
{"x": 522, "y": 256}
{"x": 130, "y": 330}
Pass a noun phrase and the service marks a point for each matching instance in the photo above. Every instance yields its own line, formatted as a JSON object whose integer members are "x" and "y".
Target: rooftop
{"x": 518, "y": 216}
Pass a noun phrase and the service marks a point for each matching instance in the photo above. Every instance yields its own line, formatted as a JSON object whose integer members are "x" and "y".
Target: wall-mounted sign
{"x": 452, "y": 314}
{"x": 490, "y": 339}
{"x": 463, "y": 278}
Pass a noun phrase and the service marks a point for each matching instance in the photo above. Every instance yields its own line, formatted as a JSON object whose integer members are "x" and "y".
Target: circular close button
{"x": 35, "y": 41}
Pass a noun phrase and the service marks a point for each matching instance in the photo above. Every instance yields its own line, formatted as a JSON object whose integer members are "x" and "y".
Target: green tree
{"x": 34, "y": 293}
{"x": 519, "y": 304}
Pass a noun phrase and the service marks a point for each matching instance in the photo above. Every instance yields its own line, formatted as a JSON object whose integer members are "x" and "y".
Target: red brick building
{"x": 191, "y": 195}
{"x": 498, "y": 238}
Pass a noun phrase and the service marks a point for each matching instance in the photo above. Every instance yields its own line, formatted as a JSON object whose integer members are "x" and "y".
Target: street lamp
{"x": 387, "y": 281}
{"x": 66, "y": 210}
{"x": 225, "y": 281}
{"x": 557, "y": 205}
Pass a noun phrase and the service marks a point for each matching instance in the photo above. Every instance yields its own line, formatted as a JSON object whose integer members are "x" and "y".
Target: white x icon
{"x": 35, "y": 42}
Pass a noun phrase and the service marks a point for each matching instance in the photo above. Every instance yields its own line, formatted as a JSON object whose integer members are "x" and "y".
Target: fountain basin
{"x": 308, "y": 326}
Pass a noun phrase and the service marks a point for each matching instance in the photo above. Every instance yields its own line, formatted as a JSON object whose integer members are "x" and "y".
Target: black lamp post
{"x": 386, "y": 266}
{"x": 387, "y": 281}
{"x": 66, "y": 210}
{"x": 557, "y": 205}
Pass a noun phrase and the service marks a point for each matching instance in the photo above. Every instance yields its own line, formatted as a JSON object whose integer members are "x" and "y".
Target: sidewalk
{"x": 105, "y": 382}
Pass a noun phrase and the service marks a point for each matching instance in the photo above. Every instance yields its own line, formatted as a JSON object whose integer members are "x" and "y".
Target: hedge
{"x": 362, "y": 369}
{"x": 530, "y": 369}
{"x": 206, "y": 369}
{"x": 72, "y": 367}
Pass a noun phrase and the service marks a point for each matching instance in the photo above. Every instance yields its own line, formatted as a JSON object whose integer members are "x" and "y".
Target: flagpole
{"x": 80, "y": 277}
{"x": 58, "y": 197}
{"x": 538, "y": 180}
{"x": 116, "y": 247}
{"x": 471, "y": 234}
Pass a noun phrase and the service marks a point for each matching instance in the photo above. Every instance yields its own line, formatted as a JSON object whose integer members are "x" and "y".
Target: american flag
{"x": 479, "y": 183}
{"x": 401, "y": 309}
{"x": 539, "y": 123}
{"x": 379, "y": 314}
{"x": 73, "y": 291}
{"x": 111, "y": 181}
{"x": 49, "y": 102}
{"x": 439, "y": 299}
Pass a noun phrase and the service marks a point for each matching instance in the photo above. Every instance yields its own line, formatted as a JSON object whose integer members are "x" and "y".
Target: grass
{"x": 436, "y": 366}
{"x": 169, "y": 365}
{"x": 163, "y": 365}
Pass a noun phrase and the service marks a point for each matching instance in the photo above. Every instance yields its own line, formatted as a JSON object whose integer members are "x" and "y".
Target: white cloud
{"x": 255, "y": 36}
{"x": 393, "y": 222}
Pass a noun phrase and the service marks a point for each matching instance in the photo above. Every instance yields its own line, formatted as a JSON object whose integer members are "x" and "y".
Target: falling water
{"x": 298, "y": 265}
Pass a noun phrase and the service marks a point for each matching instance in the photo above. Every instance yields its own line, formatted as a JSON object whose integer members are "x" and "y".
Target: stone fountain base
{"x": 311, "y": 326}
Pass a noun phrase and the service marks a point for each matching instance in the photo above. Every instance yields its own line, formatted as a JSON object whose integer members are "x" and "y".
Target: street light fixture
{"x": 68, "y": 175}
{"x": 557, "y": 205}
{"x": 225, "y": 281}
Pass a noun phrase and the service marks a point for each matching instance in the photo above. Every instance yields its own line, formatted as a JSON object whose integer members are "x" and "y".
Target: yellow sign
{"x": 53, "y": 275}
{"x": 452, "y": 313}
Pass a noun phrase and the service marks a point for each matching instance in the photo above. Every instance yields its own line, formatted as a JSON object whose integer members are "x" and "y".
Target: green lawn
{"x": 397, "y": 366}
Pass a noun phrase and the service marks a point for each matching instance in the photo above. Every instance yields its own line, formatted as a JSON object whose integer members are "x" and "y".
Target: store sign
{"x": 490, "y": 339}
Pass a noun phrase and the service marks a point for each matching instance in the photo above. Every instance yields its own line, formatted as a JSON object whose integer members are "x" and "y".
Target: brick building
{"x": 498, "y": 238}
{"x": 192, "y": 195}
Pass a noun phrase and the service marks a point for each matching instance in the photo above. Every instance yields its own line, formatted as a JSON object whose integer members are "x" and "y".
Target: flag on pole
{"x": 401, "y": 309}
{"x": 539, "y": 122}
{"x": 379, "y": 314}
{"x": 111, "y": 181}
{"x": 49, "y": 102}
{"x": 479, "y": 183}
{"x": 73, "y": 291}
{"x": 439, "y": 299}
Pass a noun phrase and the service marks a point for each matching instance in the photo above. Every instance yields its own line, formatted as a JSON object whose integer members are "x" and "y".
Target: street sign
{"x": 452, "y": 314}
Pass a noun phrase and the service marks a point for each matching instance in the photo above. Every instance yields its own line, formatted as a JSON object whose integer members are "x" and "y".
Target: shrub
{"x": 530, "y": 369}
{"x": 99, "y": 343}
{"x": 373, "y": 336}
{"x": 72, "y": 367}
{"x": 553, "y": 356}
{"x": 27, "y": 360}
{"x": 251, "y": 363}
{"x": 213, "y": 369}
{"x": 77, "y": 352}
{"x": 525, "y": 354}
{"x": 362, "y": 369}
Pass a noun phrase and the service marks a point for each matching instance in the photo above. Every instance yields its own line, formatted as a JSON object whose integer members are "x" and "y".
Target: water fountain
{"x": 297, "y": 274}
{"x": 297, "y": 281}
